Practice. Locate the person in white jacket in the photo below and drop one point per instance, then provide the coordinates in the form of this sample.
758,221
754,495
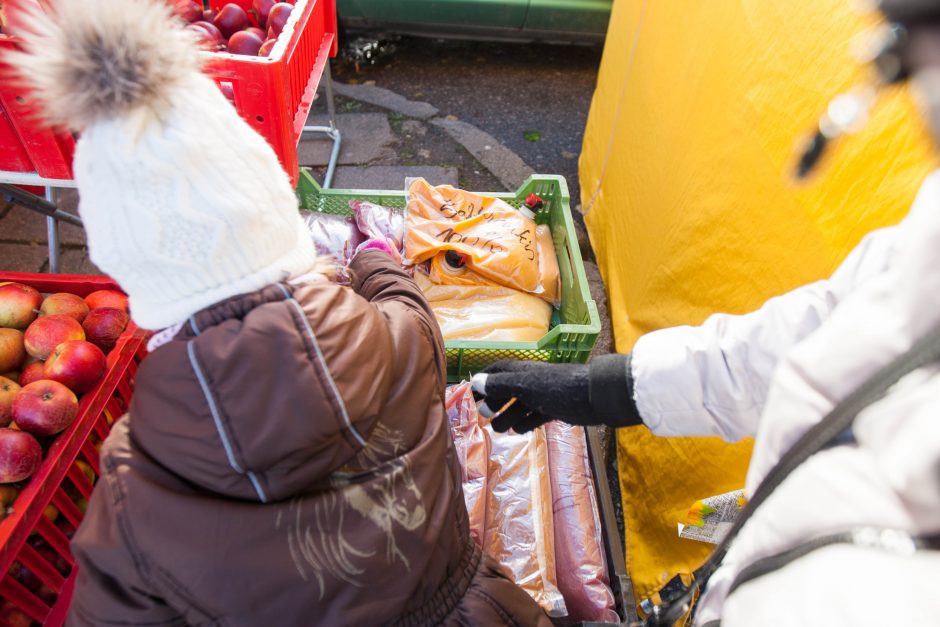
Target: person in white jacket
775,373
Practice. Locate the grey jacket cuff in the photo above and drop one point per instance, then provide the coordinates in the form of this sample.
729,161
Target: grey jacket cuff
611,391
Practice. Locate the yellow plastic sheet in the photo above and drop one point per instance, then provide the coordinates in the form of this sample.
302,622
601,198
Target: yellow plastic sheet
688,196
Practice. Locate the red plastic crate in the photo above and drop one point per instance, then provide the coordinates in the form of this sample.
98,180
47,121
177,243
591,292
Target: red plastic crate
27,145
60,473
273,94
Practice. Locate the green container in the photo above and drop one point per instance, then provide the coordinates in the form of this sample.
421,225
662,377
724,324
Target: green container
575,324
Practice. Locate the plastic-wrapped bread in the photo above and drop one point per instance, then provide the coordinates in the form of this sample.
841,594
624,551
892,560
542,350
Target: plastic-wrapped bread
519,529
472,444
579,554
483,312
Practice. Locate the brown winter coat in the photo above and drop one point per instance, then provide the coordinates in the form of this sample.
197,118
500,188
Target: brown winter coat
287,461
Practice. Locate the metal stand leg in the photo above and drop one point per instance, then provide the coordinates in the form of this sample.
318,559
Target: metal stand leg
52,229
330,130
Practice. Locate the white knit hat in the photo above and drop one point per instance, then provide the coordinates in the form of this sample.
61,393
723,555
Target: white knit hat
183,203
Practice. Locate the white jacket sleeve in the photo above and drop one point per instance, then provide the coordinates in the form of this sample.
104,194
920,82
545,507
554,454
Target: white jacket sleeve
713,379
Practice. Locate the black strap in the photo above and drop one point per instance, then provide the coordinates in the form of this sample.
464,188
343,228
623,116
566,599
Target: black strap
925,351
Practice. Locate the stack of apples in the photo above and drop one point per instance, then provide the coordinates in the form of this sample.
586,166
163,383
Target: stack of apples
52,349
233,29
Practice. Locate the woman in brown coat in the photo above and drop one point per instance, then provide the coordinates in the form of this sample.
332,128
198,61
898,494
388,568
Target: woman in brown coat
286,459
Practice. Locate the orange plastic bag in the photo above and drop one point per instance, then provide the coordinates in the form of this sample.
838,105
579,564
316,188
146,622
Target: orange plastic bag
443,269
495,240
486,312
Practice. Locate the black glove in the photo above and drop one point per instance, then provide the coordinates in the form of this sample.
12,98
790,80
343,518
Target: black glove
582,394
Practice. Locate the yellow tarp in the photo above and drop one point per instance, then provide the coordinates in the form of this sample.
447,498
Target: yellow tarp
691,208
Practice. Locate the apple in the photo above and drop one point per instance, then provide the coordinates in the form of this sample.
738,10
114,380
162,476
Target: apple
8,390
245,42
64,304
114,298
189,10
76,364
260,9
31,372
208,15
8,495
11,616
104,326
228,91
19,305
44,407
47,332
266,47
277,18
214,41
20,455
257,31
231,19
12,349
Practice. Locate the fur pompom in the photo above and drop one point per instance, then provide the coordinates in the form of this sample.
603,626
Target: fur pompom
92,60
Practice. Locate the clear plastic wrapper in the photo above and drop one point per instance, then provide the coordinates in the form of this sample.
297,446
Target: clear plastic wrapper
377,221
579,552
519,530
472,443
485,312
495,240
333,236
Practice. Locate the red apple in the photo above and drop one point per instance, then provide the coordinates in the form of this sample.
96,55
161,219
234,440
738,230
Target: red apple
12,351
217,41
189,10
231,19
260,9
203,38
78,365
19,305
208,15
8,390
277,18
257,31
266,47
31,372
113,298
104,326
11,616
47,332
228,91
64,304
245,42
44,407
20,455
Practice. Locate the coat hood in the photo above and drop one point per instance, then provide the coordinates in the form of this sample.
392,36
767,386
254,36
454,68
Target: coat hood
264,395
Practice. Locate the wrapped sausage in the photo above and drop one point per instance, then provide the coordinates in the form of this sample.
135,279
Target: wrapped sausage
519,529
472,444
579,554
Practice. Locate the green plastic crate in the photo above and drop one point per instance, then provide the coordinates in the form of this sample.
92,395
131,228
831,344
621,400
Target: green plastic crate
575,324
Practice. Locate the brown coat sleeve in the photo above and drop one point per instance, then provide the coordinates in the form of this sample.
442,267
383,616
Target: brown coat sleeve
378,279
